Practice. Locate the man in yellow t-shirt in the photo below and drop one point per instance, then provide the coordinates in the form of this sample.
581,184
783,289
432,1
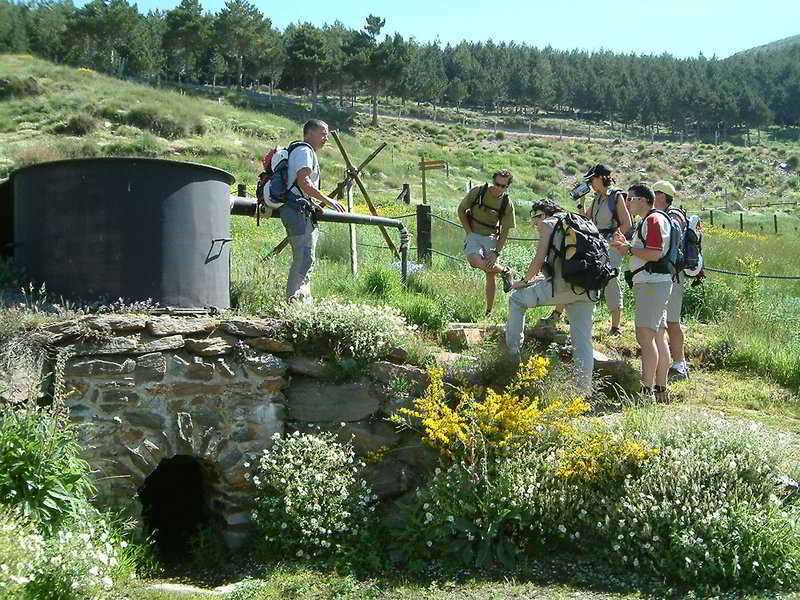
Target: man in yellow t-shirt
487,215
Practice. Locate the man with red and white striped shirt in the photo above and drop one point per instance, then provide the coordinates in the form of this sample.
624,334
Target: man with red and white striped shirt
651,288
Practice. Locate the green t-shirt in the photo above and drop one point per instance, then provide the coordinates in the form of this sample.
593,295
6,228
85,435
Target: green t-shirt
486,215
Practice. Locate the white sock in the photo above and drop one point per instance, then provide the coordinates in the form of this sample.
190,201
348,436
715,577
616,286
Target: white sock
679,365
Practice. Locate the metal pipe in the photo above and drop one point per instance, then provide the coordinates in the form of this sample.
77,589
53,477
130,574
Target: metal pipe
247,207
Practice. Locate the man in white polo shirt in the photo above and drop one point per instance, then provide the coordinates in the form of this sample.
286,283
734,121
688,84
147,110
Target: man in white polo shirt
297,214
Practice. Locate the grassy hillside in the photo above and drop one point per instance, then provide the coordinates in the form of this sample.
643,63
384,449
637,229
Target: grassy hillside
743,338
49,112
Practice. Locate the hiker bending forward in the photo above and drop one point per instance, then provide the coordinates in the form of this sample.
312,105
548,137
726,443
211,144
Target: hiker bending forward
487,215
298,213
537,290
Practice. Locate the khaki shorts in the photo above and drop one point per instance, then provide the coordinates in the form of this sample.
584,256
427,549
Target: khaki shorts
675,303
479,244
651,304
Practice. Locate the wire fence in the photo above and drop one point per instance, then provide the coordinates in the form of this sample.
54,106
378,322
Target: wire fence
516,239
711,269
439,218
757,275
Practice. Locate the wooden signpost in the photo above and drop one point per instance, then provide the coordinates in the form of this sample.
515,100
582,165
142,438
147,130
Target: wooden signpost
429,165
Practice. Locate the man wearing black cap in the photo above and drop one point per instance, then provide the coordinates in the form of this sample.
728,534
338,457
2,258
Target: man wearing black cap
609,212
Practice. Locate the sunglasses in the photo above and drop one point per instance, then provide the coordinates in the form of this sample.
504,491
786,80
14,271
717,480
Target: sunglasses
501,185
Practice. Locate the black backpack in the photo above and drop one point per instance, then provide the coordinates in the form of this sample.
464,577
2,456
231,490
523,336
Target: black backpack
584,255
671,261
499,211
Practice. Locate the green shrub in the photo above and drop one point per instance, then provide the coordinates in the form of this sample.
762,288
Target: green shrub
145,144
711,301
82,559
248,589
155,119
21,548
311,501
41,469
19,87
361,331
458,518
207,549
81,124
382,281
793,161
705,510
425,312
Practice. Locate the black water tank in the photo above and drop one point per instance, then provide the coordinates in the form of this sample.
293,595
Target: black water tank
6,219
133,228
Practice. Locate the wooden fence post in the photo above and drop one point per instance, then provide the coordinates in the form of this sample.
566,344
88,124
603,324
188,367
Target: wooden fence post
241,190
424,244
711,214
741,222
775,218
424,192
353,241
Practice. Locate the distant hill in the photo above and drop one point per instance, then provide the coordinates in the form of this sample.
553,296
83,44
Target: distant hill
772,46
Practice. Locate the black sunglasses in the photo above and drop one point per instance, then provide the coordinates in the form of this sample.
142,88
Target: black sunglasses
501,185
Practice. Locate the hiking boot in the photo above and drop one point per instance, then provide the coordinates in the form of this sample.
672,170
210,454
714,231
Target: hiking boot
506,276
660,394
551,320
614,332
677,374
647,395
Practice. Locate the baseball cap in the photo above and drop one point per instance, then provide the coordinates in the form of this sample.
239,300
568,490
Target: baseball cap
665,187
596,170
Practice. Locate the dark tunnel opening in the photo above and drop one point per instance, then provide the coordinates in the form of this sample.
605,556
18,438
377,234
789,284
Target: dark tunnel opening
175,506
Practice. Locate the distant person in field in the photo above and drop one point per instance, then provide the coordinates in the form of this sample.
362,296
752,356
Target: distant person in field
664,195
487,215
534,289
298,213
609,211
652,285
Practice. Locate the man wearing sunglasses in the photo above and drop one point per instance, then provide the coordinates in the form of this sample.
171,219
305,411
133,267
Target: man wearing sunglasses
487,215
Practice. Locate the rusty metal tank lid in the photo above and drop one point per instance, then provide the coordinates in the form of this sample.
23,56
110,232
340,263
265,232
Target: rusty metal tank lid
129,159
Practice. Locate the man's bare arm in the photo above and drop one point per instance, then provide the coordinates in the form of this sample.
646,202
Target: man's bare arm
539,259
623,216
303,182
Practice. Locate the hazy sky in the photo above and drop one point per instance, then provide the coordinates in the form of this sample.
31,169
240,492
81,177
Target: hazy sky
680,27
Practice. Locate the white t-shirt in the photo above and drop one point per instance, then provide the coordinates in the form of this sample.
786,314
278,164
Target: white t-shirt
655,230
302,157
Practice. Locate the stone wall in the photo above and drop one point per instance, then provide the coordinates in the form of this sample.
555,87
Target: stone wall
145,389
